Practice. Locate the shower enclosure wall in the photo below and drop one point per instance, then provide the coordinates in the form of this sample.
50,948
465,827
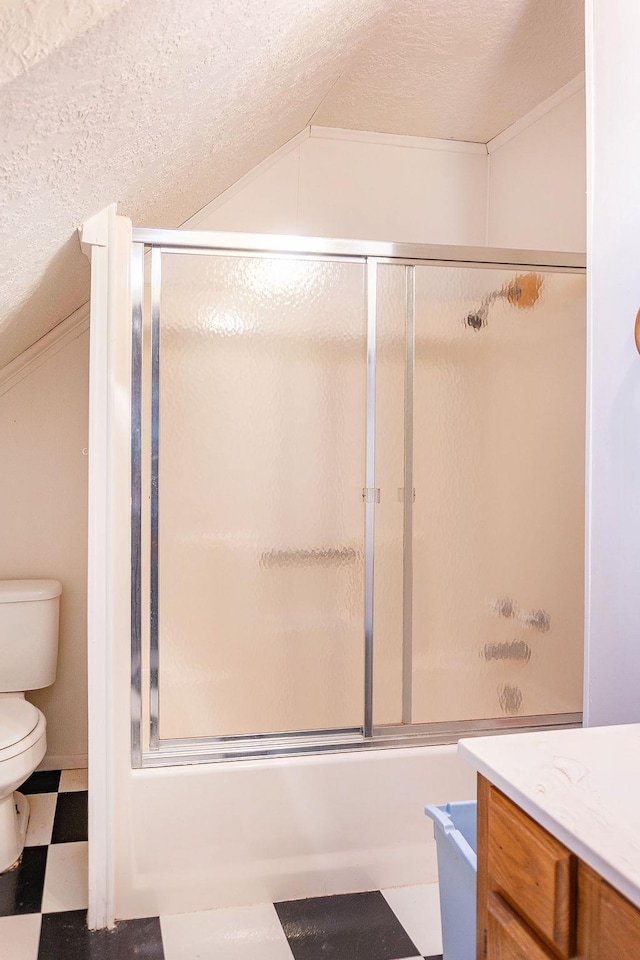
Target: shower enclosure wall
357,488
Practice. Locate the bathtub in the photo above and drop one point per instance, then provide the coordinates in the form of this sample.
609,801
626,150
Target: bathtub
247,832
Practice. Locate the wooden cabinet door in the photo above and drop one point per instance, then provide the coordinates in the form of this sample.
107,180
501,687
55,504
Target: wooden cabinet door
533,894
508,938
608,925
533,871
529,869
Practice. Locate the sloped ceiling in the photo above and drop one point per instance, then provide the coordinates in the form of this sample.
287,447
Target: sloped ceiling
458,69
30,29
160,105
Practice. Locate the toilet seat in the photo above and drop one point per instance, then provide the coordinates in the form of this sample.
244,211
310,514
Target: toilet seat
21,725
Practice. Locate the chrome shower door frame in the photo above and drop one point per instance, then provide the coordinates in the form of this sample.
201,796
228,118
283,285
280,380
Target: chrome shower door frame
148,748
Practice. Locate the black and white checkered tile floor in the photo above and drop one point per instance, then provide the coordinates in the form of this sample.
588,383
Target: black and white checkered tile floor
43,907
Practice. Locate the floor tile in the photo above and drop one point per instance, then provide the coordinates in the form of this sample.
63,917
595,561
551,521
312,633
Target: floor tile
73,780
418,910
70,824
19,937
65,937
135,938
238,933
43,781
353,926
66,878
42,809
21,888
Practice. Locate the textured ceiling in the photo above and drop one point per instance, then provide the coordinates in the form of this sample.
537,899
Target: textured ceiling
458,69
31,29
160,105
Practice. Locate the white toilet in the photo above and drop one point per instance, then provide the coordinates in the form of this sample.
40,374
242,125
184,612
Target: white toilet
28,658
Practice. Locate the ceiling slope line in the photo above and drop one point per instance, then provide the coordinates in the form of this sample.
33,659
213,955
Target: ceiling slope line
43,349
327,94
247,178
397,140
350,61
537,113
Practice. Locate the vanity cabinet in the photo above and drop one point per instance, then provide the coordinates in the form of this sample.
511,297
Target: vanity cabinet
537,900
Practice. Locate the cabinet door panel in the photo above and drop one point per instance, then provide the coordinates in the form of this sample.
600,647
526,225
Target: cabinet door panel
609,926
619,927
508,938
532,871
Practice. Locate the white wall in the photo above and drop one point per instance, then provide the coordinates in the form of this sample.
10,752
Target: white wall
613,535
43,490
537,177
341,183
527,192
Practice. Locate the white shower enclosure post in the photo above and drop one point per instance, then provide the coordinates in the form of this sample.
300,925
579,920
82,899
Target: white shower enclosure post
106,240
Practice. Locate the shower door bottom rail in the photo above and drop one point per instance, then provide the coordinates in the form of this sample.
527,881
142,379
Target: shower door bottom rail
192,750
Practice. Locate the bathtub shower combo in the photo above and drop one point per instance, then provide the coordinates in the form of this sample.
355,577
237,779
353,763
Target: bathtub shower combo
357,488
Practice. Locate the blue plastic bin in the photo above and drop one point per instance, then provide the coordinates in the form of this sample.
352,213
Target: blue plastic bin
455,833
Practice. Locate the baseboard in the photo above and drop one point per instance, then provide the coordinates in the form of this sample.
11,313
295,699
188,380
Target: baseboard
74,761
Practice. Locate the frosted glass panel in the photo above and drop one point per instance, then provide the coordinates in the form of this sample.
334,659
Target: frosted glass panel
499,475
261,534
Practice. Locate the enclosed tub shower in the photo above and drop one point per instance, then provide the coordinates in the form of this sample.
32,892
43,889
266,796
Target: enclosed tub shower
358,474
344,526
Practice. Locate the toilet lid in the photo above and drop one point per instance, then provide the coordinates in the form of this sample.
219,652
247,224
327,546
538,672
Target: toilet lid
18,718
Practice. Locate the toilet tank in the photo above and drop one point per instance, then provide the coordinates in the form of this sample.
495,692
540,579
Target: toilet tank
29,612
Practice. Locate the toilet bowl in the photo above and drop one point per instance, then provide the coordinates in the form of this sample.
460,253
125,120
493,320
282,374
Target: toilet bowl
23,743
29,614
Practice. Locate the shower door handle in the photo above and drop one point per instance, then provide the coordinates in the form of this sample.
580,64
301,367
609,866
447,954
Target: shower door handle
293,557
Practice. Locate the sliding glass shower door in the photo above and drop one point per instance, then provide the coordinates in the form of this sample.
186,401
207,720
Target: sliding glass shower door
479,579
360,497
262,392
498,539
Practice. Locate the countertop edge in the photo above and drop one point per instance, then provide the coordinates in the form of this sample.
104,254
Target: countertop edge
578,846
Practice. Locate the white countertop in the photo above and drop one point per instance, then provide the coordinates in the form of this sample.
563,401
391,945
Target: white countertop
582,785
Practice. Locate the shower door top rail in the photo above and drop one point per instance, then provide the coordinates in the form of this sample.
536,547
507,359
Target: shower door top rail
326,246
